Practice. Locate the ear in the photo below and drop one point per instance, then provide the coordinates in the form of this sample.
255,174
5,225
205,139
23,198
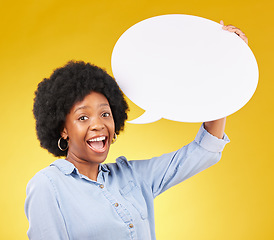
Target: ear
64,133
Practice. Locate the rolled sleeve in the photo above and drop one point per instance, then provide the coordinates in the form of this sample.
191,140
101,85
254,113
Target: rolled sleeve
210,142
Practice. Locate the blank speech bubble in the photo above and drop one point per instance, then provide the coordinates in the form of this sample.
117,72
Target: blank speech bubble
184,68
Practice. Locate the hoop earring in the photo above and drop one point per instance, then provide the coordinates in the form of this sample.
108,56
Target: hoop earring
59,144
114,138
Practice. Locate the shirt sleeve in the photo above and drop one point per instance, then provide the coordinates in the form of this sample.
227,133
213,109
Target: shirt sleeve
161,173
42,210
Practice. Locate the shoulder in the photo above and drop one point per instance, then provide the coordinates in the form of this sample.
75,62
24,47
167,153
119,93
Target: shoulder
47,177
123,169
121,164
41,180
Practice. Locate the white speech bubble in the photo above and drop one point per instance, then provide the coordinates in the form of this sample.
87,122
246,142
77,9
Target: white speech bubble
184,68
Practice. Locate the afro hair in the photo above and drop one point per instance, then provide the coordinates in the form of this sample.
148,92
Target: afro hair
55,96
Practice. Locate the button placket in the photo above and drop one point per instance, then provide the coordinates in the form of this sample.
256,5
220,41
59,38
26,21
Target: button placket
131,225
120,209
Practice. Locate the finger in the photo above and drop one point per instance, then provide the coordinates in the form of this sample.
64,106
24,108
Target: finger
226,27
231,27
239,33
236,30
244,37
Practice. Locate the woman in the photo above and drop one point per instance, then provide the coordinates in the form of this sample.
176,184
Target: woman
79,112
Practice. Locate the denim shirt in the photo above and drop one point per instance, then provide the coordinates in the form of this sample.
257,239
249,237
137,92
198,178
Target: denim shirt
61,203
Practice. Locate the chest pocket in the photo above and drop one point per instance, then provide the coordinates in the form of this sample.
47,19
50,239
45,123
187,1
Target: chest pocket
133,194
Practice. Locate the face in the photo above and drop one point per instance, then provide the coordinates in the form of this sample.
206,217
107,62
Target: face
89,128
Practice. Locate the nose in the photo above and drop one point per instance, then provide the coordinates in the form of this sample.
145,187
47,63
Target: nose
96,124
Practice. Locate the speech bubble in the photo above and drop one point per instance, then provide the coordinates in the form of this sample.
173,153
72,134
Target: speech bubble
184,68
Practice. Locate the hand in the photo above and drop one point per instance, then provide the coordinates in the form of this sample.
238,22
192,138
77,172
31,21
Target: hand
232,28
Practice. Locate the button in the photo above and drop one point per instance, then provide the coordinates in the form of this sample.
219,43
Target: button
101,186
116,204
131,225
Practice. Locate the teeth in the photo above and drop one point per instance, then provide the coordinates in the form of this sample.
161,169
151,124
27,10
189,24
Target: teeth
97,139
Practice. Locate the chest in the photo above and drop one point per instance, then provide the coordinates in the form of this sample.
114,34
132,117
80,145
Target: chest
104,211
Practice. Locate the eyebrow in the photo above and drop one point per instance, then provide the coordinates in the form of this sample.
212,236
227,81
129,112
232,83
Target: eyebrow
84,107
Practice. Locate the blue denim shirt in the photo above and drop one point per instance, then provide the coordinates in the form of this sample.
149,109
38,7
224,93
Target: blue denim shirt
61,203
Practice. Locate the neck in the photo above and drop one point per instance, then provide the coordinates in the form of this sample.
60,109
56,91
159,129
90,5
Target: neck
86,168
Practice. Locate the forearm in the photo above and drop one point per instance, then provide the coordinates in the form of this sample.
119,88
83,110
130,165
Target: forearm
216,127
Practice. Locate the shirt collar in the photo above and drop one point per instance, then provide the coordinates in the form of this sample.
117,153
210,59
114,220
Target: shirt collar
67,167
104,168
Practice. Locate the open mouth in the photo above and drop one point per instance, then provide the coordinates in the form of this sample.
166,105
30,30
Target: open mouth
98,144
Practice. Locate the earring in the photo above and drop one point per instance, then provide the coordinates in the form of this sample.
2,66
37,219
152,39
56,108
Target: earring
114,138
59,144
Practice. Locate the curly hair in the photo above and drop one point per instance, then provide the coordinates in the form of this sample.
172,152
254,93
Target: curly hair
55,96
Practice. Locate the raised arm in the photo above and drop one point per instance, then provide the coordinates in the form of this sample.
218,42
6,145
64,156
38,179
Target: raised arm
217,127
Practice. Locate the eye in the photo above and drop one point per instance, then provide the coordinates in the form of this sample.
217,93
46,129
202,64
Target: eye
83,118
106,114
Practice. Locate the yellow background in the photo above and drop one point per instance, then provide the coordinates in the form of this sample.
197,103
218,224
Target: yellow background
231,200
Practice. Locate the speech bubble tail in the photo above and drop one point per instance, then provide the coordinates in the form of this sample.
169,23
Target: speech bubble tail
147,117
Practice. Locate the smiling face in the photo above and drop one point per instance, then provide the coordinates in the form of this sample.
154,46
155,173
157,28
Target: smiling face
89,128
